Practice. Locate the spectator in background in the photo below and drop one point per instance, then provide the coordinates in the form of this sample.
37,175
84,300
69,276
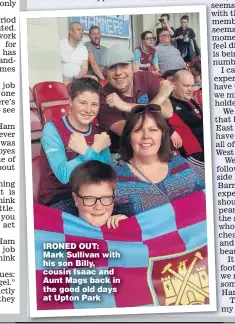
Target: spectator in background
169,57
146,58
185,39
164,21
95,52
73,55
126,89
187,119
69,141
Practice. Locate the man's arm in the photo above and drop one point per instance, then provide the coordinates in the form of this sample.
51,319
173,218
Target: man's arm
95,67
171,32
84,69
117,127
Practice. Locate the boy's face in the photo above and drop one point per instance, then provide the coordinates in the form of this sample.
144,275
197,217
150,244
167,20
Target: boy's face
98,214
85,107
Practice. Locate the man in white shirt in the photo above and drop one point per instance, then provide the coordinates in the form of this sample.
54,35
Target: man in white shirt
73,54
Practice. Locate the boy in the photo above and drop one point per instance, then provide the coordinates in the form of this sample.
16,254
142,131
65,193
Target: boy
69,141
93,184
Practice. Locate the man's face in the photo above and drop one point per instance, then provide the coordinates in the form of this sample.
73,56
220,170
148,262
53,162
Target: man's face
164,38
184,23
183,87
93,211
95,36
76,32
148,40
121,77
85,107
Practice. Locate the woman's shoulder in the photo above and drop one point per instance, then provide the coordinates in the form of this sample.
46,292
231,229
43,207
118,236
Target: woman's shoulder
121,168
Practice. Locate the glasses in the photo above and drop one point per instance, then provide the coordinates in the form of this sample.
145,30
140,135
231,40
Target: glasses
90,201
143,109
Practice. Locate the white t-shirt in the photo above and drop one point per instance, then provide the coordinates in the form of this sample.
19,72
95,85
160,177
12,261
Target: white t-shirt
71,58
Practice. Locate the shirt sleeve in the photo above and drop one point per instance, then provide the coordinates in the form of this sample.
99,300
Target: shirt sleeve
137,56
155,58
88,47
56,155
193,34
85,53
108,116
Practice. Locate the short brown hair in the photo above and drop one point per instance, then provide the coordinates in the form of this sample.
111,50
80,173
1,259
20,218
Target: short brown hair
154,112
90,172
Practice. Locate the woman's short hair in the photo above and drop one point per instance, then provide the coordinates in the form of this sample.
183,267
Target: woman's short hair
151,111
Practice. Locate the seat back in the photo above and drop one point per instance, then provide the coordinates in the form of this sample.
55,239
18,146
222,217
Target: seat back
36,177
197,96
50,93
31,100
54,112
36,126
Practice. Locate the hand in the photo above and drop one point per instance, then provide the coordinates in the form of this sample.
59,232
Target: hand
113,100
114,220
176,140
77,143
186,39
101,142
166,88
180,37
157,73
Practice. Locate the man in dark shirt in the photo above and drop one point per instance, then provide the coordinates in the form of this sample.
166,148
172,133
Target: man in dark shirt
183,37
127,89
187,118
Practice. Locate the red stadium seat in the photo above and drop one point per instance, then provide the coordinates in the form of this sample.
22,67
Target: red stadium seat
197,95
36,177
50,93
51,113
36,126
36,149
31,100
68,88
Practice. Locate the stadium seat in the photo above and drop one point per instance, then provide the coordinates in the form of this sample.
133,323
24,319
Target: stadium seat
197,96
50,113
36,149
68,88
36,177
50,93
31,100
36,126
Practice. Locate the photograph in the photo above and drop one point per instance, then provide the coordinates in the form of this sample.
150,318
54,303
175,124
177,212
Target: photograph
118,153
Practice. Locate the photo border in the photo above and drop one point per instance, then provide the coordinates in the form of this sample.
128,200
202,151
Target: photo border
202,10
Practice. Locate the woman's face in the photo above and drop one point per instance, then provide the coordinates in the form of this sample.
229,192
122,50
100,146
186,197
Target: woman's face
146,140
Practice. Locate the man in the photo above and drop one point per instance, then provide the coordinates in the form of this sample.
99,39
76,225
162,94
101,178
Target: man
187,118
127,89
165,25
169,57
73,55
95,52
146,58
185,39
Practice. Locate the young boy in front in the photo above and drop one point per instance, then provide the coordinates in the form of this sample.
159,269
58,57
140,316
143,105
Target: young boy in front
93,185
69,141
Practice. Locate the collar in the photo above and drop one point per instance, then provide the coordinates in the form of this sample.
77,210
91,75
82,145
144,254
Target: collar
142,47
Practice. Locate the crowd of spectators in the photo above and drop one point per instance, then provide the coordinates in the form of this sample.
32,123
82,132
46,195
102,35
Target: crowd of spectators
150,128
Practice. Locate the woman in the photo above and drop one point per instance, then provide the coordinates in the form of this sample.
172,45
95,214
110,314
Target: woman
148,173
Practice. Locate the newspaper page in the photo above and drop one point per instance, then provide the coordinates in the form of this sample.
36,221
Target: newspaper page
42,32
9,157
